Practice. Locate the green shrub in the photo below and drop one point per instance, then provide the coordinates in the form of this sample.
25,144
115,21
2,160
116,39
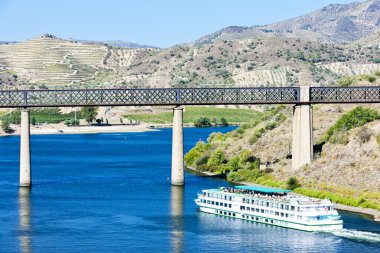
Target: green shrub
347,81
244,175
292,183
202,160
203,122
5,125
218,136
216,159
256,136
240,130
339,137
357,117
195,153
271,125
224,122
371,79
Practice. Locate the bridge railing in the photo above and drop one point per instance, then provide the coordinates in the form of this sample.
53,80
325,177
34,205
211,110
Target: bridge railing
369,94
169,96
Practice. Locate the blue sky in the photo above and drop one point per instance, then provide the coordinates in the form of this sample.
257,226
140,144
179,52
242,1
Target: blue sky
160,23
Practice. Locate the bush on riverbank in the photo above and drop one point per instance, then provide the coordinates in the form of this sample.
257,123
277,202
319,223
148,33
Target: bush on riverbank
202,122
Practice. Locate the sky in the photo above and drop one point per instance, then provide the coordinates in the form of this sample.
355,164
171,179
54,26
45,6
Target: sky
161,23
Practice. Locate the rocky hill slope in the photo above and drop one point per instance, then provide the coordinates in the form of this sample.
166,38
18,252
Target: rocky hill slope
335,23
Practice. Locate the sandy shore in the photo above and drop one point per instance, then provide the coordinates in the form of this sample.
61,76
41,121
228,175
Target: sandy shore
85,129
372,212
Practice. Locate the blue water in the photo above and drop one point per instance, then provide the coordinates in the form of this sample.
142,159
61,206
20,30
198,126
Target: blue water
112,193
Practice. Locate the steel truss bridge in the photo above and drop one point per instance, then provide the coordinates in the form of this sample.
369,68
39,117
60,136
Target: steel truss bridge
185,96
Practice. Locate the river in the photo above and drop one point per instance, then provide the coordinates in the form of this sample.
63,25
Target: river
111,193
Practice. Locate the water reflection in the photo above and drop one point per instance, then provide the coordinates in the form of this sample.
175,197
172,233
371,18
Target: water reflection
24,219
177,223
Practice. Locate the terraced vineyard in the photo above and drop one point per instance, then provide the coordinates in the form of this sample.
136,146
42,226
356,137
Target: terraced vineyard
50,61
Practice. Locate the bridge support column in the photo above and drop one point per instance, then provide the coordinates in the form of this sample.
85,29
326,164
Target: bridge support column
302,147
25,168
178,177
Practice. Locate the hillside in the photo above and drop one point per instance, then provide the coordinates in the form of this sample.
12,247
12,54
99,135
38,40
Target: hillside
345,166
335,23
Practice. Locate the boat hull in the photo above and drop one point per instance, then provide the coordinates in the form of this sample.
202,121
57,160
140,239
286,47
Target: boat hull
309,226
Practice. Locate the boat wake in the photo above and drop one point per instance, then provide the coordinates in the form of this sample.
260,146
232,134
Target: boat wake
358,235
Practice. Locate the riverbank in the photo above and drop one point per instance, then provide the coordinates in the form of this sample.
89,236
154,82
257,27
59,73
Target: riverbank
375,214
83,129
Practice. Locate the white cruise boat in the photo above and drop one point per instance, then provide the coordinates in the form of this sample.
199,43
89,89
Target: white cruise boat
271,206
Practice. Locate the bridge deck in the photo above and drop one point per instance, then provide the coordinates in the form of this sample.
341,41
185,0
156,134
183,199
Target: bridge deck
185,96
138,97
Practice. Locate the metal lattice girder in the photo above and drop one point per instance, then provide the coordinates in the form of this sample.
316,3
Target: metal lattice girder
174,96
12,98
345,94
238,95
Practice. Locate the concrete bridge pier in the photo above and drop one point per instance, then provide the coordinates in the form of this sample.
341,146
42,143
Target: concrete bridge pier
25,168
177,175
302,147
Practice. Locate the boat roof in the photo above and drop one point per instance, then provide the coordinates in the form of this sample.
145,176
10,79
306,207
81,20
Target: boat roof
262,189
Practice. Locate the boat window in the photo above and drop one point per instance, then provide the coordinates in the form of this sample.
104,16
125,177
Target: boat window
230,198
208,201
253,201
298,209
291,216
267,203
292,208
276,213
208,194
225,204
282,214
217,203
299,217
225,197
262,210
242,207
248,209
257,210
234,214
229,214
225,213
286,207
271,213
229,205
266,220
286,215
276,205
271,221
282,206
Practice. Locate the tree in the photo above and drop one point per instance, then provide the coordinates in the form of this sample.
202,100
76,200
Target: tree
5,125
98,121
33,121
224,122
202,122
293,183
89,113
